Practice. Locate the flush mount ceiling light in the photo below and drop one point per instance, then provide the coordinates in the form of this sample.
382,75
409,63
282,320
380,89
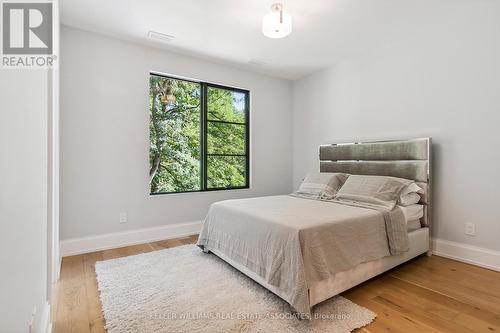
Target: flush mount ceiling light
277,24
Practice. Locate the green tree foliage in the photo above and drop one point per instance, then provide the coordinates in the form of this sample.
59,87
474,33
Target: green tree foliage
226,105
175,136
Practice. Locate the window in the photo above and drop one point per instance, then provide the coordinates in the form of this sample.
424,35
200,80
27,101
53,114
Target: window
199,136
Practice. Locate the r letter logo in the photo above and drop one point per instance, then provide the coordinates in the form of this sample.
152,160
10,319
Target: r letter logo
27,28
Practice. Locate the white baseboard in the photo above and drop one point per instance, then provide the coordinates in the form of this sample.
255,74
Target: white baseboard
131,237
45,324
467,253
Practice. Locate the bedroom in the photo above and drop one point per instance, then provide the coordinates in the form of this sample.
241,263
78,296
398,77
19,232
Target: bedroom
90,174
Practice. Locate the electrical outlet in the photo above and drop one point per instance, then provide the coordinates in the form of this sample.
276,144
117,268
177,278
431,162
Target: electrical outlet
470,229
123,217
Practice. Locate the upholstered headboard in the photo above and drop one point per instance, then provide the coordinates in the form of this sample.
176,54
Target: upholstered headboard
410,159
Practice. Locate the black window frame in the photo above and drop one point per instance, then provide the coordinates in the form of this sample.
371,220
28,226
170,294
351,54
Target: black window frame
204,134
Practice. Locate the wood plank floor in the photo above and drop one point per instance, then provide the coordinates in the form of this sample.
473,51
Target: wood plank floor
427,294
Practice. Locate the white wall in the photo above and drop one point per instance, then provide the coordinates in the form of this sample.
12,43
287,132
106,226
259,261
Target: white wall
23,198
104,135
436,75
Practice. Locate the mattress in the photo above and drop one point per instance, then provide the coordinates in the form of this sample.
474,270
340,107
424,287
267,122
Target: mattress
413,212
413,225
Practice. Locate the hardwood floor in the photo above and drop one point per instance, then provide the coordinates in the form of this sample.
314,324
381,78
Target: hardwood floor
427,294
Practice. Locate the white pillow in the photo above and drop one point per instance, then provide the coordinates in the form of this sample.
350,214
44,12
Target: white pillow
409,199
413,187
321,185
375,190
410,195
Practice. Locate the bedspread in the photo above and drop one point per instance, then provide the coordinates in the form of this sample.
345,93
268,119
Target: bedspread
292,242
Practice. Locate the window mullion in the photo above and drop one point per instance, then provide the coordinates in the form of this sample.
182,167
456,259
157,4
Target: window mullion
225,122
204,131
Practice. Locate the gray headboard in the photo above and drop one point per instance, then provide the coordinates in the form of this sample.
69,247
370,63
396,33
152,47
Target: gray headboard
410,159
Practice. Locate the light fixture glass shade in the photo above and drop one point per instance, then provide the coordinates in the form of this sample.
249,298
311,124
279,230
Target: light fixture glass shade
277,24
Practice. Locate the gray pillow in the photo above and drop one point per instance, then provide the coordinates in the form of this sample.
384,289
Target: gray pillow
321,185
375,190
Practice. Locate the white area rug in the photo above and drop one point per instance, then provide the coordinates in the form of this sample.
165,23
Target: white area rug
184,290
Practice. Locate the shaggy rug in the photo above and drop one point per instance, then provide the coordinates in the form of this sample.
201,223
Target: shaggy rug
183,289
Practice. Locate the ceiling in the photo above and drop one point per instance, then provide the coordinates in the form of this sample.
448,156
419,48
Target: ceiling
229,31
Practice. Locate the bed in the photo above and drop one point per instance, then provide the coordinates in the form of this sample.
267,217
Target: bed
307,251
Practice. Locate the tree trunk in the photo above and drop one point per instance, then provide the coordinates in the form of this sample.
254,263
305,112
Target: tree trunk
154,167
